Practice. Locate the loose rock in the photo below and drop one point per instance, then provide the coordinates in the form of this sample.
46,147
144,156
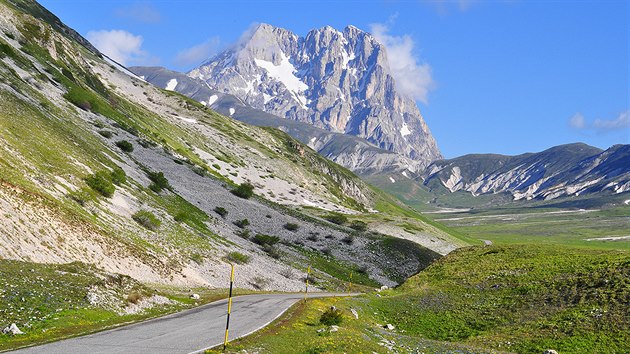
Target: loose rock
355,314
12,330
391,327
550,351
195,296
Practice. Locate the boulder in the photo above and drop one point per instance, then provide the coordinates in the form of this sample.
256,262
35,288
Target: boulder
389,326
195,296
12,330
550,351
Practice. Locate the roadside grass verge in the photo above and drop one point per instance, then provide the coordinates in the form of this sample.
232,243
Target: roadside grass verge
50,302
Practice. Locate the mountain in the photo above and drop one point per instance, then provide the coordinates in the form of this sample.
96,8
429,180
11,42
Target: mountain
352,152
99,167
565,170
337,81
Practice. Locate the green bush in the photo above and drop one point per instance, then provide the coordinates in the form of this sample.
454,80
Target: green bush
336,218
243,233
221,211
102,183
331,317
106,133
272,251
358,225
238,257
244,190
291,226
241,223
263,239
124,145
147,219
118,176
159,181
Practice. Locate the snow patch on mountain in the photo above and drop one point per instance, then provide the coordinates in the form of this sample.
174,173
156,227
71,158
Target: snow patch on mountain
404,131
171,85
212,99
284,73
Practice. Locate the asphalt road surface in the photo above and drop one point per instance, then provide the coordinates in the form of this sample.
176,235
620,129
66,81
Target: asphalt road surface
188,331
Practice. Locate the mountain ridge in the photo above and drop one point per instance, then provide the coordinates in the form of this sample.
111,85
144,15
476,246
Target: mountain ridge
338,81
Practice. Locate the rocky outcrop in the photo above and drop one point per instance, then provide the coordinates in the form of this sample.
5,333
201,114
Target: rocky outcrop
338,81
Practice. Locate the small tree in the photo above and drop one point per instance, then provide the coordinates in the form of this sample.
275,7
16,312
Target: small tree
101,182
244,190
124,145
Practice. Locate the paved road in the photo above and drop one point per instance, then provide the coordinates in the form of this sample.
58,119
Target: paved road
184,332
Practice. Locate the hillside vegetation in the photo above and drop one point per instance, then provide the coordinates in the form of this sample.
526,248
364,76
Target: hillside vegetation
523,299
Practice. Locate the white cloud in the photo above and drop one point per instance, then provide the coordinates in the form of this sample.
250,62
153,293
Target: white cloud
577,121
140,11
412,77
620,123
121,46
198,53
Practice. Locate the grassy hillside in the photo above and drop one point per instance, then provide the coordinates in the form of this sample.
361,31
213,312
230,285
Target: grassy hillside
523,299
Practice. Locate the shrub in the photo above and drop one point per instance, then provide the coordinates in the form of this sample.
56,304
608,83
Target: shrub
101,182
134,297
82,196
241,223
221,211
291,226
159,181
348,240
106,133
147,219
272,251
124,145
336,218
243,233
358,225
118,176
244,190
238,258
263,239
331,317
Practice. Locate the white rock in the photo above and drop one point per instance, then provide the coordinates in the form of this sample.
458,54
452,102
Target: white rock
195,296
384,287
355,313
389,326
12,330
550,351
333,328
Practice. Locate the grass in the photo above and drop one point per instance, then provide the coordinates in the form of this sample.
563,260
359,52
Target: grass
523,299
543,226
238,258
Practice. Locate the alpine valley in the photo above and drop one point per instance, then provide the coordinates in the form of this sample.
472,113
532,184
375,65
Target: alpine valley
127,194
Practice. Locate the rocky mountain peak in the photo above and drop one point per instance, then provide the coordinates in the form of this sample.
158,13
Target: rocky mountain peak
336,80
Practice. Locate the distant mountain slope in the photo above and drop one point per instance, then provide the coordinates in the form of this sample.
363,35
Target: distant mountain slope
350,151
564,170
338,81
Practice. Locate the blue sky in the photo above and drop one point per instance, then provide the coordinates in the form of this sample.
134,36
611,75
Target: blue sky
502,77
